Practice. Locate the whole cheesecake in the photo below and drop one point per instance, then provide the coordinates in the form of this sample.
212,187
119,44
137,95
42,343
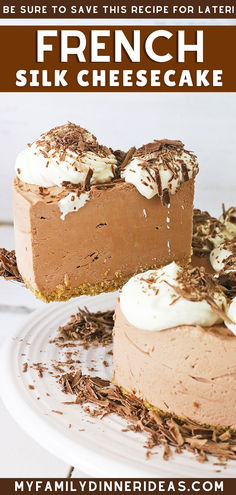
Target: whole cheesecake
87,218
173,346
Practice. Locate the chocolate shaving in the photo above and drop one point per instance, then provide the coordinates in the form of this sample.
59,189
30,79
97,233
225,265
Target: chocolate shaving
88,328
88,179
127,157
8,265
165,197
228,283
120,156
40,368
158,146
185,171
229,215
160,429
158,181
105,185
25,367
71,186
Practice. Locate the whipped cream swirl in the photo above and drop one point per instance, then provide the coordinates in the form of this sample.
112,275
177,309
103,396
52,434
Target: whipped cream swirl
65,153
220,255
159,168
73,202
156,300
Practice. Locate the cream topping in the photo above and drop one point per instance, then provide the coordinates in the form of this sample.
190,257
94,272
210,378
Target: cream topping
219,257
159,168
73,202
158,299
66,153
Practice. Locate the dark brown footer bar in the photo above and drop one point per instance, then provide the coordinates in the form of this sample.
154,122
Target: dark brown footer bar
33,486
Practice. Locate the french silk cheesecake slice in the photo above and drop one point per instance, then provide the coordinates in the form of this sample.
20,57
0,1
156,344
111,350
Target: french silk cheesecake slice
86,218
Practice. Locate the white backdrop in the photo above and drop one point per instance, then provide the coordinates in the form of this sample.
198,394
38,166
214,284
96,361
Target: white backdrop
204,122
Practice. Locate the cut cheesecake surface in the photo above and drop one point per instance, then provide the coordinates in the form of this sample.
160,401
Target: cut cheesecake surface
97,248
87,218
180,358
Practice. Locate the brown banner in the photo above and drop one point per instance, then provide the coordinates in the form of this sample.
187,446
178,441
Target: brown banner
121,59
154,9
130,486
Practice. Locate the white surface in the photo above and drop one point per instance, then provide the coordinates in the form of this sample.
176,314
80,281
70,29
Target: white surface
22,457
102,449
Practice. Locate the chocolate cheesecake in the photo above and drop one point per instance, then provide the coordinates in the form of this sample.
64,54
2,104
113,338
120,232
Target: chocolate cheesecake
175,345
87,218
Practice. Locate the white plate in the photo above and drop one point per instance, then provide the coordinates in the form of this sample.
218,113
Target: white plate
101,449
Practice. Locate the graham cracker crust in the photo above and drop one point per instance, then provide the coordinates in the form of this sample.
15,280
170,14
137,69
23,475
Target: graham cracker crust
63,292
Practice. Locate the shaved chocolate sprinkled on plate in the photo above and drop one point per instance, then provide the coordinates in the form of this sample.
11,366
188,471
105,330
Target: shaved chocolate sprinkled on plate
88,328
161,430
25,367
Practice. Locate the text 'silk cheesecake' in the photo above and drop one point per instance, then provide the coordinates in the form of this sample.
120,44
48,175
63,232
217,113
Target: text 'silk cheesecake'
175,344
87,218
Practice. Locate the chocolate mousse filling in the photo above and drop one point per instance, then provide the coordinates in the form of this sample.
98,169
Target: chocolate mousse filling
96,249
